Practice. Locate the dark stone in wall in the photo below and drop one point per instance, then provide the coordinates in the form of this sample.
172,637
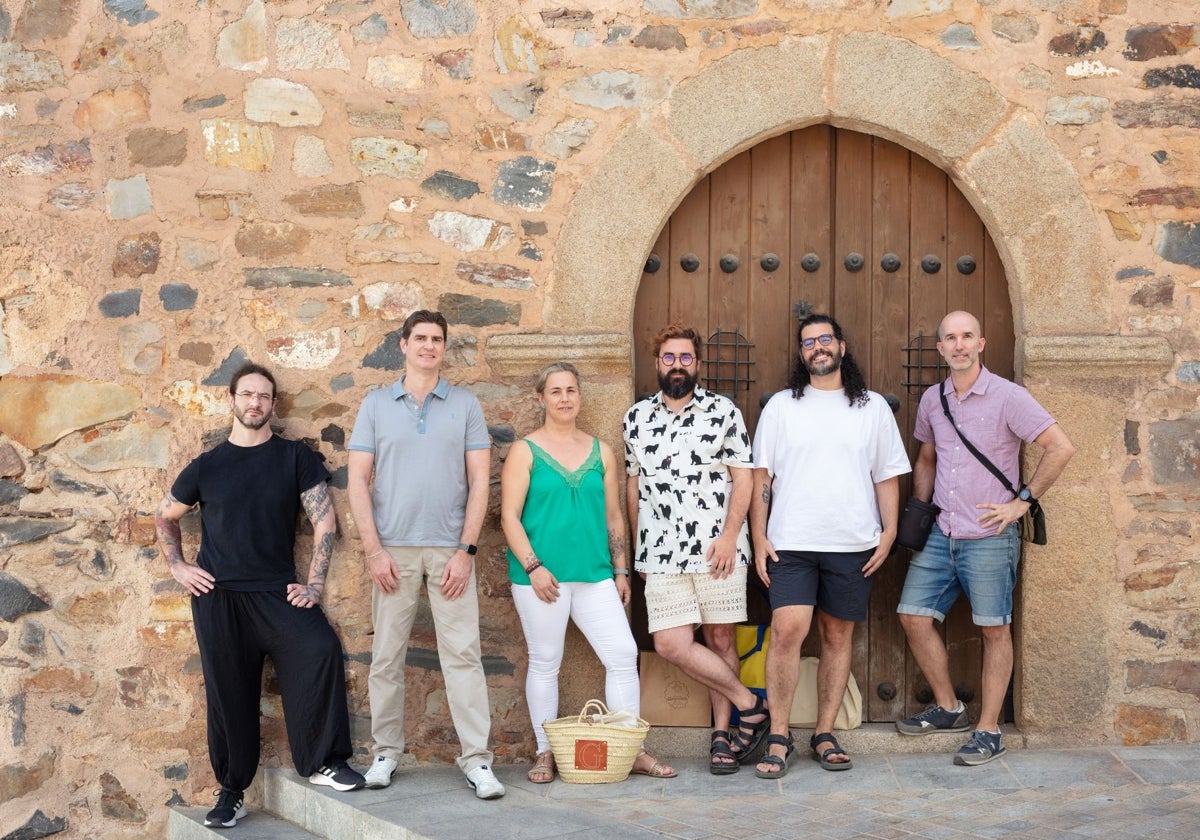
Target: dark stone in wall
1174,451
224,373
1176,675
60,482
176,772
1179,242
1083,41
1189,372
1167,197
137,255
200,352
1160,156
69,708
476,312
1158,292
524,182
15,598
502,435
1134,271
533,228
341,382
1157,113
660,38
33,639
17,706
296,278
566,18
5,24
1143,43
11,492
121,304
177,296
334,434
196,103
340,479
1183,75
132,12
448,185
37,827
530,251
387,355
1132,447
46,19
1156,633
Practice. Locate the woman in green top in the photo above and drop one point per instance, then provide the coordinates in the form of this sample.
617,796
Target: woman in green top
567,559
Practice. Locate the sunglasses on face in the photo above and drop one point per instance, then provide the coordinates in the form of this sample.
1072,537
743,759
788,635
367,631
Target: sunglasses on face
809,343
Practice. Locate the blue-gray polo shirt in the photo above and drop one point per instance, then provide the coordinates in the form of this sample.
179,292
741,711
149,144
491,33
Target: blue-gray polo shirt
420,491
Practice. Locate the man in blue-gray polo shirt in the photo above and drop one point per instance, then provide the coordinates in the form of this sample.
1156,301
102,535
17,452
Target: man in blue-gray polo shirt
427,444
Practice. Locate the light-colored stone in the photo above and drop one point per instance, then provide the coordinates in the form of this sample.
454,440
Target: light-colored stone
237,143
140,346
389,301
700,9
304,44
189,395
1090,69
916,8
242,44
37,410
135,446
1075,110
517,48
128,198
395,72
568,136
267,240
309,158
606,89
22,69
199,254
282,102
306,350
469,233
387,156
113,108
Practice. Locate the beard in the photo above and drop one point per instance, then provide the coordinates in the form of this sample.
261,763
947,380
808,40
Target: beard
677,383
820,364
252,423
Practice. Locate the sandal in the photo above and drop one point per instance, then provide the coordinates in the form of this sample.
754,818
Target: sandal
656,770
835,749
720,750
779,765
748,737
542,772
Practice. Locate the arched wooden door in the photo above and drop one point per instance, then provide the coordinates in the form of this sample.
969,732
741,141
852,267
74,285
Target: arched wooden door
830,220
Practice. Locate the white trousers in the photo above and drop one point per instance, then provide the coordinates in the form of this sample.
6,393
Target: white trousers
597,611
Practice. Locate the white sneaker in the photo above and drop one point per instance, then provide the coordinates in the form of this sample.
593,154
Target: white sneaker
381,772
486,785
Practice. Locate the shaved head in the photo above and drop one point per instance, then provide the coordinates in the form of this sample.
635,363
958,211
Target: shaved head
956,320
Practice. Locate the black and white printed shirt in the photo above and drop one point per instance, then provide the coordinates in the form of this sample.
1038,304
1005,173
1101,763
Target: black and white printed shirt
682,463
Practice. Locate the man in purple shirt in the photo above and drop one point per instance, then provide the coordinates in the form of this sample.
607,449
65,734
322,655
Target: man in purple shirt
974,547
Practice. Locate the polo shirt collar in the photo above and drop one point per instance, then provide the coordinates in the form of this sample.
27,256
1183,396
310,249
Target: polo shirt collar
980,385
441,390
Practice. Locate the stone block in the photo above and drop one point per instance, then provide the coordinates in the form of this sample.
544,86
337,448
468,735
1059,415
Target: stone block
568,136
1179,243
493,138
266,240
176,297
37,826
61,679
1174,450
1183,76
497,275
156,147
388,119
16,599
1137,726
306,350
1165,588
451,186
109,109
22,69
128,198
72,196
38,410
1176,675
959,36
469,233
137,256
116,803
203,103
1143,43
432,19
333,200
136,446
387,156
477,312
282,102
389,301
130,12
606,90
519,101
242,45
387,355
309,158
99,607
305,44
295,278
1158,113
49,160
140,348
11,464
395,72
200,352
517,47
370,31
456,63
660,38
46,20
17,780
1075,110
1083,40
239,144
524,182
702,9
1015,26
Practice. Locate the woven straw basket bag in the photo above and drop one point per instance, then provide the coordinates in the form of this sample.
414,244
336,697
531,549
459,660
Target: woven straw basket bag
597,745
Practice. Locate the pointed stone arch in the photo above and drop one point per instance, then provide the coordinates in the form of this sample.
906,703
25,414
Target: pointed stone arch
1022,187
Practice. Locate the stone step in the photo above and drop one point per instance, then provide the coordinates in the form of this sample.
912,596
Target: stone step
188,824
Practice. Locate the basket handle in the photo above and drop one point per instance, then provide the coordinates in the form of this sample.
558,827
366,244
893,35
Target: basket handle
593,705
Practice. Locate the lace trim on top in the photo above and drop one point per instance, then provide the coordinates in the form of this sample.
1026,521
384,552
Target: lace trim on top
573,478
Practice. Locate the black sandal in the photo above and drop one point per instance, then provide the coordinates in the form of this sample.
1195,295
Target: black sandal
780,764
748,737
719,750
835,749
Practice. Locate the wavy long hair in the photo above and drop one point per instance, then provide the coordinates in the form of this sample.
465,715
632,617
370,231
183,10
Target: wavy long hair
853,381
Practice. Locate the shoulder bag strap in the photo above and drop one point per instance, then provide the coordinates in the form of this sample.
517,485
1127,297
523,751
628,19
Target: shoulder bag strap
1001,477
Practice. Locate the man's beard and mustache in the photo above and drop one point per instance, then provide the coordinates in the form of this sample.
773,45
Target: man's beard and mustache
252,423
824,362
677,383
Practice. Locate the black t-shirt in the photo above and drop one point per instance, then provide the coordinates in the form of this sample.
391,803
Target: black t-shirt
249,499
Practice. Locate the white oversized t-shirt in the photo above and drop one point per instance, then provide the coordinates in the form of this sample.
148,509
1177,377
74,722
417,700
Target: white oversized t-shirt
825,457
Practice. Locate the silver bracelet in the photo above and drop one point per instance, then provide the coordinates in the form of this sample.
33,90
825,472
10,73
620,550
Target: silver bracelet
376,554
617,571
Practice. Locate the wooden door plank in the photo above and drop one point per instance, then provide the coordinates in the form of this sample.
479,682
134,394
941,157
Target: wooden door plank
650,313
997,314
729,236
812,225
888,334
689,236
852,234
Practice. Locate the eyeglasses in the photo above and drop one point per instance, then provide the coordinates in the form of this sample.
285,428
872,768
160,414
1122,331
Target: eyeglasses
684,359
809,343
253,395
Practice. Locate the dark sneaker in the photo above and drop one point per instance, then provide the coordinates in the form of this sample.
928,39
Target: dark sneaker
229,810
982,748
935,719
340,776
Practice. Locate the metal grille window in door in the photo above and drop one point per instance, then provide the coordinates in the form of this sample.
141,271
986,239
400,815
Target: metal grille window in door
923,364
728,359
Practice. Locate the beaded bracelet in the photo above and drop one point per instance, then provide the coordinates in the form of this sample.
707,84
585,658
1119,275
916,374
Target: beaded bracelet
533,567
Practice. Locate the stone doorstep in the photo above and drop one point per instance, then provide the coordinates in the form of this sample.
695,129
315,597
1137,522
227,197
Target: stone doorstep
680,742
188,824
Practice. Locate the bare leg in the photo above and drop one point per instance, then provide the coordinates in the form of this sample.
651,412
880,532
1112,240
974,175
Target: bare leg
677,646
930,652
997,672
721,639
833,672
789,626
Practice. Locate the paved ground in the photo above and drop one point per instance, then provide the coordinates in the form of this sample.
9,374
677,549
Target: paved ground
1082,793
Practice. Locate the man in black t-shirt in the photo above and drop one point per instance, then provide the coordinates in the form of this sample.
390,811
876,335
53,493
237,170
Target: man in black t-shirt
246,603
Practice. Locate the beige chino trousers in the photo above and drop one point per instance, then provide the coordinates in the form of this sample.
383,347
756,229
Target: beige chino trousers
456,624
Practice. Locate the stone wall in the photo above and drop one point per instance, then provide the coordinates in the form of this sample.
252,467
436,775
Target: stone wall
186,187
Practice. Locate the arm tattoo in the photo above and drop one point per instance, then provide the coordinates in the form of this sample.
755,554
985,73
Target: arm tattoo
766,494
319,506
616,544
316,502
169,533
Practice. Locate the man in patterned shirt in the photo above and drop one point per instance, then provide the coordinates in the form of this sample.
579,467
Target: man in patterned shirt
688,460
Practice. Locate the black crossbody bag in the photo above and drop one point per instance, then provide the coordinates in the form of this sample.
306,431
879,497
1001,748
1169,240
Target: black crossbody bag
1033,524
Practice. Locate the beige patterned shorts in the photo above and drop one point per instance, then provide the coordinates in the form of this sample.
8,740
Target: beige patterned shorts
678,599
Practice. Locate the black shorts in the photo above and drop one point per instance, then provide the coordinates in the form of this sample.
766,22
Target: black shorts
832,581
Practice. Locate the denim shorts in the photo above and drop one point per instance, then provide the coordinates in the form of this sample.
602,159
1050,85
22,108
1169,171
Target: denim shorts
985,569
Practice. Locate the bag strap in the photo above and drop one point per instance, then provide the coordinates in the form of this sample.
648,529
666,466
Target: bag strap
1001,477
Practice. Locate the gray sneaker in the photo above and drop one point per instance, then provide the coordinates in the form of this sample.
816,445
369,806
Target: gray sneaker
982,748
935,719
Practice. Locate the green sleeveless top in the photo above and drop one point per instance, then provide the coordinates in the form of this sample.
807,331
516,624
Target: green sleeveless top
564,519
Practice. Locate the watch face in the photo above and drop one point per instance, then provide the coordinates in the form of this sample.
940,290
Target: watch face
1025,495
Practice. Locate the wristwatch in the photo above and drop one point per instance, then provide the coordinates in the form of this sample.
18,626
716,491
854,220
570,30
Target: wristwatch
1025,495
470,549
